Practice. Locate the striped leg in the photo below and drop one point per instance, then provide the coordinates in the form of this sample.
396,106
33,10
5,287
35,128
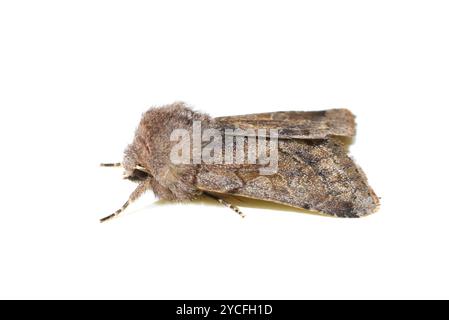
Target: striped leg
141,188
115,213
226,204
118,164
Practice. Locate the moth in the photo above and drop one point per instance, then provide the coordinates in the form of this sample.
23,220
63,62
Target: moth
314,171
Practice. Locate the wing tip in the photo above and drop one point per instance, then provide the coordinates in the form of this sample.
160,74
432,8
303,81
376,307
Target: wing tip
342,122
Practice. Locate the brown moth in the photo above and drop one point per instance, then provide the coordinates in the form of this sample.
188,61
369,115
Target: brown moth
314,171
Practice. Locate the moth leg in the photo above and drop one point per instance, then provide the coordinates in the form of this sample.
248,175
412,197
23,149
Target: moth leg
115,213
225,203
141,188
118,164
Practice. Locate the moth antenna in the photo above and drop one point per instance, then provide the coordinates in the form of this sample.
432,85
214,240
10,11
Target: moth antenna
141,188
118,164
226,204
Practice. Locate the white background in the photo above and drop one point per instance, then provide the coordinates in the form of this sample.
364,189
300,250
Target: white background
75,77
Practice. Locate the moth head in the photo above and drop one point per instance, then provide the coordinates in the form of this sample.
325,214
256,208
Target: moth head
134,170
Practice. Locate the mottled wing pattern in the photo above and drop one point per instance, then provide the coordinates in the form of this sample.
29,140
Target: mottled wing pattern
296,124
315,175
